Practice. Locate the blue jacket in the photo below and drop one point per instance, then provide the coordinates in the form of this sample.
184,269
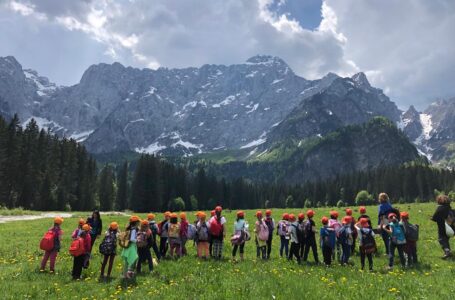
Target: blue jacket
384,210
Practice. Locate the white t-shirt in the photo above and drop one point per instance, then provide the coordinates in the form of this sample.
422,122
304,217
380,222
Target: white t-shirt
222,221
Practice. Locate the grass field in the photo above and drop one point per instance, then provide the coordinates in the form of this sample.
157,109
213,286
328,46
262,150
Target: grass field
189,278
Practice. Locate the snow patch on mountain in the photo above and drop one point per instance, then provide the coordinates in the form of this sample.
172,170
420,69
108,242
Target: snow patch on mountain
81,136
151,149
44,87
261,140
228,100
44,123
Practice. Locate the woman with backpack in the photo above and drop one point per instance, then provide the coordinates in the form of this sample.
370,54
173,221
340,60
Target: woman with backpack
239,238
108,249
218,232
440,215
183,233
310,237
202,234
96,225
367,244
282,231
262,234
383,211
127,241
144,243
80,249
51,243
397,239
175,242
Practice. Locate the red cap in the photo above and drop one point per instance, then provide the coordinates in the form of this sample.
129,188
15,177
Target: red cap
291,217
364,222
218,208
348,212
392,215
325,220
240,214
404,215
346,220
301,216
259,214
285,216
334,214
310,213
212,213
268,212
362,209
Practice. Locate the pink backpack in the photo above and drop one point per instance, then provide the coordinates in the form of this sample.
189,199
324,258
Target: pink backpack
263,234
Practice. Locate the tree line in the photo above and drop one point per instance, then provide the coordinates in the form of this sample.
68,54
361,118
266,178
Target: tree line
43,172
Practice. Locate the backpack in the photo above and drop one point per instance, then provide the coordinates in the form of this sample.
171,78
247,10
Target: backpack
397,231
48,241
326,239
344,236
124,239
300,229
174,230
191,233
203,233
77,247
107,246
141,241
282,229
216,228
368,242
263,233
412,232
307,228
154,228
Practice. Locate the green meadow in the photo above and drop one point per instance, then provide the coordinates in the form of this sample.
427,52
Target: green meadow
190,278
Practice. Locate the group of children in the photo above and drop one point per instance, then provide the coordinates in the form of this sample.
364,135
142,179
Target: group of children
337,240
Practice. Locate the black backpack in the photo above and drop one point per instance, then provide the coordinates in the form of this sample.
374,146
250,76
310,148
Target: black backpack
107,246
412,232
300,230
368,242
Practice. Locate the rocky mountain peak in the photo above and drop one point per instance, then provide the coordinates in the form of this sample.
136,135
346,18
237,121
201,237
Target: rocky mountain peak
266,60
361,80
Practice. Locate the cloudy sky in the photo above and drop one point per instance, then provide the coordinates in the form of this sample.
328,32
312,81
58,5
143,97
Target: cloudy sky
405,47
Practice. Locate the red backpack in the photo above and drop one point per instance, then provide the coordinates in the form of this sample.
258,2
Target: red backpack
77,247
216,228
47,242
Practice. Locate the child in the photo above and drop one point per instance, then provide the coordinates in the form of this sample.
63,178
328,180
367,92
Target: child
367,244
78,230
412,235
174,236
218,232
129,254
270,222
301,233
345,238
78,262
212,215
327,239
397,239
108,248
363,214
335,225
354,232
310,237
261,240
282,231
154,228
292,230
183,232
202,236
163,231
57,240
239,238
144,243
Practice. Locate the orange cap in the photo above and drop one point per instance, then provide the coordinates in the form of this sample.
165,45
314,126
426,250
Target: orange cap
334,214
218,208
203,216
348,212
259,214
58,220
362,209
183,216
404,215
325,220
134,219
174,215
310,213
167,214
198,214
240,214
150,217
86,227
285,216
268,212
301,216
291,217
113,226
144,222
81,221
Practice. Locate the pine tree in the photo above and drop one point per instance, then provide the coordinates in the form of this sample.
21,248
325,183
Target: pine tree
122,191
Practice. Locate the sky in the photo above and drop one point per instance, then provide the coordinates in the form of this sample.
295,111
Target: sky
405,47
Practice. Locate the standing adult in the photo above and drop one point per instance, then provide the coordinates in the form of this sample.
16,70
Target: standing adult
270,222
218,232
385,208
440,216
96,225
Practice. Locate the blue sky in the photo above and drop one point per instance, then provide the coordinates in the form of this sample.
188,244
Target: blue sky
405,47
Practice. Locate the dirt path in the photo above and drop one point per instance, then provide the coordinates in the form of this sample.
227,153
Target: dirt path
4,219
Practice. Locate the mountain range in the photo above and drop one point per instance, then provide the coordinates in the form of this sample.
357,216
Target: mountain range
253,108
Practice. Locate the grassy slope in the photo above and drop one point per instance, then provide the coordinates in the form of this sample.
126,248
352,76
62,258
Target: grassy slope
190,278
